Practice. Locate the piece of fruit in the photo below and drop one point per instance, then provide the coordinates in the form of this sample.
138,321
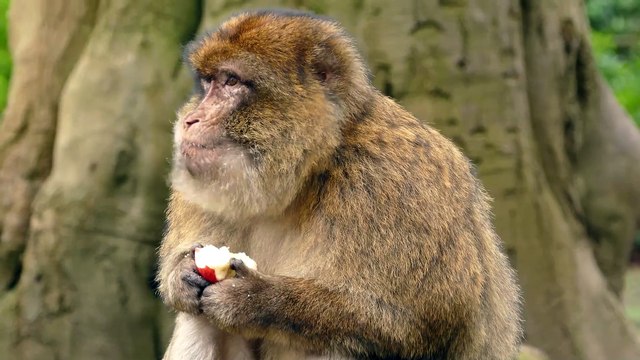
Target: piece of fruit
213,263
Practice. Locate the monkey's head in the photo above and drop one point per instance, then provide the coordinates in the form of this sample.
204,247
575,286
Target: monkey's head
274,92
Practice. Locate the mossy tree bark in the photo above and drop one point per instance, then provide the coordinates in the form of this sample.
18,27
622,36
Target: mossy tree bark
511,82
43,61
104,79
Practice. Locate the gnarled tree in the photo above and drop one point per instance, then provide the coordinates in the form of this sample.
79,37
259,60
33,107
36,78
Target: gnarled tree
512,82
82,215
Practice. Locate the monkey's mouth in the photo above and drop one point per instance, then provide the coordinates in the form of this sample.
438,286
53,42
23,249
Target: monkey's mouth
204,159
189,148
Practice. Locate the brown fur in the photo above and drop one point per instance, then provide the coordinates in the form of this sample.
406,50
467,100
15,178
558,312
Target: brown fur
372,236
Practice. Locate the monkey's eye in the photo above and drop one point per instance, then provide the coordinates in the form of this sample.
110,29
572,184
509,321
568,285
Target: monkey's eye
232,80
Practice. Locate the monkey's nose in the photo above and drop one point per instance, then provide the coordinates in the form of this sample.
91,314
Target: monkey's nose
190,121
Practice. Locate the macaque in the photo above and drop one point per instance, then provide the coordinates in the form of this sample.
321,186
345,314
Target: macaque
372,236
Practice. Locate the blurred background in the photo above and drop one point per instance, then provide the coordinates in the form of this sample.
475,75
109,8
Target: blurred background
543,96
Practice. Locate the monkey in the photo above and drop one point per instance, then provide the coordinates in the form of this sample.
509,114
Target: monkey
372,234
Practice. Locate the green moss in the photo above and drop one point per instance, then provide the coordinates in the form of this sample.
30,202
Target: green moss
358,5
5,58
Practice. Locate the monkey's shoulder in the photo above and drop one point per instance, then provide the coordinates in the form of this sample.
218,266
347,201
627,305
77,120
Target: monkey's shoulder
391,145
391,164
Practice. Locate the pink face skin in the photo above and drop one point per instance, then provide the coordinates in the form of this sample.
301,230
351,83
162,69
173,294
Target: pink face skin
202,143
212,169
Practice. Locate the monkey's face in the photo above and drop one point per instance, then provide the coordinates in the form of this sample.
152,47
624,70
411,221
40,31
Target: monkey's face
263,118
204,147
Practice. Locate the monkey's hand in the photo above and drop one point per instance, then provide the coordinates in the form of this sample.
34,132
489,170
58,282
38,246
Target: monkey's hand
183,286
234,304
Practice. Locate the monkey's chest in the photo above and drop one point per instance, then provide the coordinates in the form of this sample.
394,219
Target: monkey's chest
282,251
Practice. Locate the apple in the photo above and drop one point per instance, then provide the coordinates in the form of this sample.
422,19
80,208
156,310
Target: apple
213,263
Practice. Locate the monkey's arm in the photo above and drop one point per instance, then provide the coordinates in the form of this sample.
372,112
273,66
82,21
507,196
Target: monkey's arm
303,312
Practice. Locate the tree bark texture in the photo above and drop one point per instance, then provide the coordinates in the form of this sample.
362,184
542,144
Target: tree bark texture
84,290
42,63
513,83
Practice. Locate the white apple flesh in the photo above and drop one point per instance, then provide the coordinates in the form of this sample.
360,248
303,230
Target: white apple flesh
214,263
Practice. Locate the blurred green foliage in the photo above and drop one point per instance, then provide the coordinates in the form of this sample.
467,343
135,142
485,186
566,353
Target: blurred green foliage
616,42
5,58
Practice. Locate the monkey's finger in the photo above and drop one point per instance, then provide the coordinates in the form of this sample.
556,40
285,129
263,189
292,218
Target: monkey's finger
194,279
241,269
193,249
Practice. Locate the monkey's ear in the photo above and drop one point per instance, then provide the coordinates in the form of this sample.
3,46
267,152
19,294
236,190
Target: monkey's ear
338,67
327,64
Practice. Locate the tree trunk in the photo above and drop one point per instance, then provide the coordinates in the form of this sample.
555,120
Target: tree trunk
511,82
589,147
42,62
84,291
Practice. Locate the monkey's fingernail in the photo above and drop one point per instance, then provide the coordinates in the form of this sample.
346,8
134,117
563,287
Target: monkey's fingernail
236,264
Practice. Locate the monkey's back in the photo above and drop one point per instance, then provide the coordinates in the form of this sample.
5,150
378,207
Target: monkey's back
410,199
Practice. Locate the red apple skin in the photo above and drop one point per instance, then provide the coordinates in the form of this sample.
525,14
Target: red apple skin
208,274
